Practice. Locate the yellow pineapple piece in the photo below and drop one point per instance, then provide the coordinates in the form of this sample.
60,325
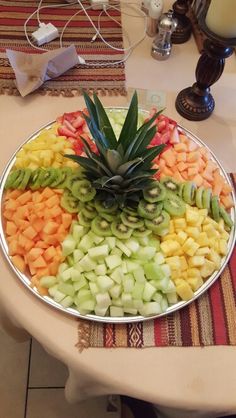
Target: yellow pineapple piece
196,261
169,237
171,227
174,262
202,240
191,216
221,225
207,269
214,257
190,246
181,237
199,222
203,212
180,223
223,247
193,231
214,244
184,290
225,235
169,247
195,283
203,251
183,262
179,252
193,272
210,231
176,274
210,221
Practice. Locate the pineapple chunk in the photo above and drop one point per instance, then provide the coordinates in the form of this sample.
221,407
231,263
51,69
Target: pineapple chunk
171,227
203,251
183,262
195,283
193,272
170,237
169,247
213,256
174,262
193,231
210,231
192,216
203,212
180,223
208,268
184,290
190,247
203,240
221,225
181,237
223,247
196,261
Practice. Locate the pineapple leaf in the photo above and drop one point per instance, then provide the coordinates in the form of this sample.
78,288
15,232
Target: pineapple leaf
99,139
129,128
105,180
127,166
113,159
85,163
151,153
91,108
104,123
97,160
86,147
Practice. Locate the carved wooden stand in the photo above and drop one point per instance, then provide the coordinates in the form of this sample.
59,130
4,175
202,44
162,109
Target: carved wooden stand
183,31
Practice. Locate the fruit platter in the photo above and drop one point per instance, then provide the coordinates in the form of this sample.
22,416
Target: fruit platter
116,215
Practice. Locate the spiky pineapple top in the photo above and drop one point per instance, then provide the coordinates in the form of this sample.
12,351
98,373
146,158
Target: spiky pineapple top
123,167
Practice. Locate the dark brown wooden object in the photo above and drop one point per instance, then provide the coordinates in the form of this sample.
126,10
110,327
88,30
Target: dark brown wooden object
183,31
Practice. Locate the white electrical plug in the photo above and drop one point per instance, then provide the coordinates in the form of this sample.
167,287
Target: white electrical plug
98,4
45,33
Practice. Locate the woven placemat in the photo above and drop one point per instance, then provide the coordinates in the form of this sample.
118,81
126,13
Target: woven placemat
108,79
210,320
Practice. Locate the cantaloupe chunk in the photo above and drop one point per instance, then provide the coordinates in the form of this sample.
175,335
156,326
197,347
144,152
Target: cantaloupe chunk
50,227
170,157
30,232
198,180
11,228
25,197
52,201
11,204
50,253
227,201
19,262
56,211
8,214
66,220
13,194
47,193
53,267
34,253
39,263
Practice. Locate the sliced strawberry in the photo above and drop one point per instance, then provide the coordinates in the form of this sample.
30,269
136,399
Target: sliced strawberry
78,122
69,126
69,117
64,131
165,137
174,136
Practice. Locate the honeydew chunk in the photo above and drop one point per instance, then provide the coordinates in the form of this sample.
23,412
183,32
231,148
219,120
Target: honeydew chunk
113,261
117,275
77,255
103,300
164,304
100,311
115,291
81,283
68,245
184,290
157,297
104,283
67,289
82,296
116,311
148,292
66,274
166,270
170,288
172,298
150,308
62,267
95,238
116,251
154,242
78,231
131,311
137,304
67,302
131,265
139,275
117,302
100,269
111,242
143,240
153,271
87,305
146,253
133,245
196,261
87,264
128,283
123,248
91,276
159,258
124,267
100,251
207,269
75,274
137,292
162,284
58,296
52,290
85,243
48,281
126,299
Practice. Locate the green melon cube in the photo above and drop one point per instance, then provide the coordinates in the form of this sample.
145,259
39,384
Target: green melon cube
68,245
128,283
150,308
153,271
103,300
104,283
133,245
80,284
67,302
78,231
100,251
100,311
87,264
111,242
146,253
116,311
67,289
137,292
139,275
132,265
85,243
100,270
123,248
117,275
77,255
148,292
48,281
115,291
113,261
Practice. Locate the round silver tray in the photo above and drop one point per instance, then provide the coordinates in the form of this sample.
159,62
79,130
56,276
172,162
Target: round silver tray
126,319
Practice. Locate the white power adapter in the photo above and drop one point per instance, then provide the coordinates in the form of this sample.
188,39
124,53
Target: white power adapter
98,4
45,33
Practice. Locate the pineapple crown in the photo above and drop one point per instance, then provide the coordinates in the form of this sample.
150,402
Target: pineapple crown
123,167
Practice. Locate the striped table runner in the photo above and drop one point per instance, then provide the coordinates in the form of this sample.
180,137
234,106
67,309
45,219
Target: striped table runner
108,78
210,320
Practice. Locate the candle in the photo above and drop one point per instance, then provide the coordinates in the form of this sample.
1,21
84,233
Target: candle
221,18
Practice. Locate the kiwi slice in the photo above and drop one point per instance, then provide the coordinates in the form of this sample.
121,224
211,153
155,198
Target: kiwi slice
215,208
154,193
174,205
141,232
83,220
83,190
188,193
11,178
26,179
198,197
206,198
181,188
121,230
160,224
131,221
108,216
69,202
65,172
58,178
36,179
101,227
18,179
149,210
226,217
131,211
89,211
49,177
75,176
170,184
106,206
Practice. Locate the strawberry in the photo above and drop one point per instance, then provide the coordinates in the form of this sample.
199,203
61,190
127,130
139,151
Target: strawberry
64,131
78,122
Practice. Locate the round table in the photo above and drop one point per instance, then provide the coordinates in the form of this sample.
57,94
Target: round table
189,378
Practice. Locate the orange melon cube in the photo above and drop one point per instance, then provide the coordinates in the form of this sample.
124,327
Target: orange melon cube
181,147
37,197
39,262
169,157
41,244
25,197
11,228
207,175
181,156
49,253
192,146
177,176
19,262
182,166
47,193
198,180
43,271
13,247
227,201
183,138
66,220
226,189
52,201
11,204
193,157
38,224
53,267
30,232
8,214
50,227
55,211
34,253
14,194
22,224
192,171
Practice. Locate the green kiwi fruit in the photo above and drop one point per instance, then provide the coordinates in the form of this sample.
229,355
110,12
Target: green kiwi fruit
83,190
69,202
215,208
160,224
89,211
188,192
149,210
101,227
170,184
131,221
83,220
103,206
49,177
121,230
154,193
131,211
198,197
65,172
206,198
11,178
58,178
141,232
26,178
19,178
181,188
74,176
36,179
108,216
227,219
174,205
